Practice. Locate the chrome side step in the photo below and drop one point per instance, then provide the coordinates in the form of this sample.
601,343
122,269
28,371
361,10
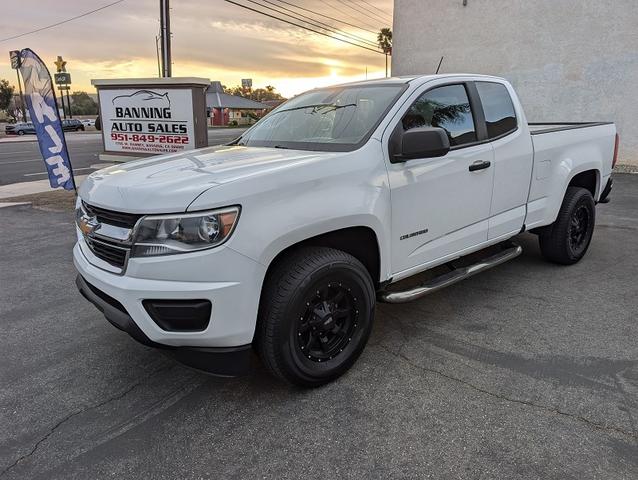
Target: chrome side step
450,278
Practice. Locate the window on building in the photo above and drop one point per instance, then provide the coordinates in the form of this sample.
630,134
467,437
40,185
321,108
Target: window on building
445,107
500,116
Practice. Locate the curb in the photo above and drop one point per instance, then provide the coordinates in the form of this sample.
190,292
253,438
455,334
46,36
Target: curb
18,139
14,204
28,188
625,168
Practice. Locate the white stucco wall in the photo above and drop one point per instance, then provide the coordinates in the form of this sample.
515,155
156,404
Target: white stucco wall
570,60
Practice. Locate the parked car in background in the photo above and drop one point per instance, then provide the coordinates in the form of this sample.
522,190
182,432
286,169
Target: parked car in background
283,240
88,122
72,125
21,128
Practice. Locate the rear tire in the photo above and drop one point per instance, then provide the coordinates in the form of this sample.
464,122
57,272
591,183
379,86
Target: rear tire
567,239
315,317
20,132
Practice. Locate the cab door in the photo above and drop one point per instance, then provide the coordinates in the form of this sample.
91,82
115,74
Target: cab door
513,157
441,206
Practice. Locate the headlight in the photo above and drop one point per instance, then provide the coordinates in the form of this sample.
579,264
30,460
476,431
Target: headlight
169,234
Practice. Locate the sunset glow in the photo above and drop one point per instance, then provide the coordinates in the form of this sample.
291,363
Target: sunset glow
211,39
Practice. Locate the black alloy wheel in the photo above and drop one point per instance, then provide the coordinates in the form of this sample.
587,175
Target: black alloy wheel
579,228
315,317
567,239
328,323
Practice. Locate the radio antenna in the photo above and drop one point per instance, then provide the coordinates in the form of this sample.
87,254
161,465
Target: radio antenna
439,67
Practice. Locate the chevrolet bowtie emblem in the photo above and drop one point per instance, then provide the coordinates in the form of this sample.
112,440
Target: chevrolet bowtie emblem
88,224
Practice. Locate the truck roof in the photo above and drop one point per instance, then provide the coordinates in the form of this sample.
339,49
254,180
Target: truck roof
418,78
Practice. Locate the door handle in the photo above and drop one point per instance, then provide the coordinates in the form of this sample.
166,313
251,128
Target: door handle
480,165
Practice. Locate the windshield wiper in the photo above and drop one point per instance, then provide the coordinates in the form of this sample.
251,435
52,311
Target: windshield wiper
317,107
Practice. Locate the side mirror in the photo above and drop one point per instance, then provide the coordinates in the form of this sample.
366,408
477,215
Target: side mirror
423,142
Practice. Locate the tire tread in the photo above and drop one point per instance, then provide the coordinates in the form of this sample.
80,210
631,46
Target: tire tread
280,285
553,238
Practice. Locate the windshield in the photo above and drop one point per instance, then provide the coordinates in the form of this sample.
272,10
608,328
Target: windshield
331,119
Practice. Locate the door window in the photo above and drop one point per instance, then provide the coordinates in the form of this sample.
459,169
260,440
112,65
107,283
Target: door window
446,107
500,117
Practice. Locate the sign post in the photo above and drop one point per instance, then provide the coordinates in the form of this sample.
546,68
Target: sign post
151,116
246,84
63,80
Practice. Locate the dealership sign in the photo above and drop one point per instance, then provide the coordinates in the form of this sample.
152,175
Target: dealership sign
147,120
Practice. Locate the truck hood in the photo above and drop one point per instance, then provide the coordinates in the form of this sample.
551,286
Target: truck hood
169,183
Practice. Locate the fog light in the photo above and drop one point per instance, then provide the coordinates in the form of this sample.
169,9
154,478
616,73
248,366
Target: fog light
179,315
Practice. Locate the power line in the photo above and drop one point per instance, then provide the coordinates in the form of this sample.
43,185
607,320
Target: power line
311,21
328,17
338,10
60,23
356,8
384,14
302,26
376,8
316,25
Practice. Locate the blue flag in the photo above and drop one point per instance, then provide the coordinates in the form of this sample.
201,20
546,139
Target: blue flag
43,109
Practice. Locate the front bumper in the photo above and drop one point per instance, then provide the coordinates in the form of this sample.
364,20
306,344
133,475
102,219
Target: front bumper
230,281
227,361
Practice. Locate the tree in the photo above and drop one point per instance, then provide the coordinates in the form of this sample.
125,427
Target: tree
384,39
14,110
83,104
6,95
258,95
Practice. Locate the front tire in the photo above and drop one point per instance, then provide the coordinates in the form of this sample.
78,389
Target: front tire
566,240
20,132
316,315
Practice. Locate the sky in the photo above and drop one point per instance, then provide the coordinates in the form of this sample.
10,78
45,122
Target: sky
211,39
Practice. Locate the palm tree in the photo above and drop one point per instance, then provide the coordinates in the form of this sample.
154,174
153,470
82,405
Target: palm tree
384,38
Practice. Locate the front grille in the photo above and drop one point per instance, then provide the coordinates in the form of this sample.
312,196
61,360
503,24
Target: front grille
119,219
108,252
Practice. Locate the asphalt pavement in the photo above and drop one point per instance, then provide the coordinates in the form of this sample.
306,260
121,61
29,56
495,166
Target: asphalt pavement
20,159
529,370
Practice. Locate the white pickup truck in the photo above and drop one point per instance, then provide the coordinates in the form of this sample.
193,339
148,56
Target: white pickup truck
282,241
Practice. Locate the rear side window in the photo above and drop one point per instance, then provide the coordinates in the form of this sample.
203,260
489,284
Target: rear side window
445,107
500,116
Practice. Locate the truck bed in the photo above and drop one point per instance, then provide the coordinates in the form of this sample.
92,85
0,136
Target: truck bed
562,150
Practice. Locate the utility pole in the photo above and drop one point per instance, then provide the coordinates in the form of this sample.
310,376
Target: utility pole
157,49
165,26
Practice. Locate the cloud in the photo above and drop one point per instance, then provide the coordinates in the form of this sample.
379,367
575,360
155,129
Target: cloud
211,38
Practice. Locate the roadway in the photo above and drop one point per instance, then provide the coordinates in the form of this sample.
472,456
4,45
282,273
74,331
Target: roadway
20,159
527,371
